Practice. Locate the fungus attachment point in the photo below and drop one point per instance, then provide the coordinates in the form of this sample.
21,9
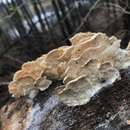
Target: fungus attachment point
92,62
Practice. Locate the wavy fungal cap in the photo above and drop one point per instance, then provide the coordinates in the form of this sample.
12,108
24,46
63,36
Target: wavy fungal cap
92,62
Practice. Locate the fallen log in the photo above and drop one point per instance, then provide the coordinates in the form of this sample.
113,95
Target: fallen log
106,109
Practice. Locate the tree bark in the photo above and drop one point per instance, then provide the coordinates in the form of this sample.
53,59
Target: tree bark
107,110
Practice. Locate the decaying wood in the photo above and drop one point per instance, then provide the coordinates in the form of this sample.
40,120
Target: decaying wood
108,110
62,104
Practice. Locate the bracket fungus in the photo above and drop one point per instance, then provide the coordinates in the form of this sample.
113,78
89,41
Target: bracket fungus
92,62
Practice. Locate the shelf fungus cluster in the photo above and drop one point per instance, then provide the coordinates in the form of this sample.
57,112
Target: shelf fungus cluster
92,62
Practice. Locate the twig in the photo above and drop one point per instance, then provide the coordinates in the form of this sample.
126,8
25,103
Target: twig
84,19
119,7
13,59
4,83
87,16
